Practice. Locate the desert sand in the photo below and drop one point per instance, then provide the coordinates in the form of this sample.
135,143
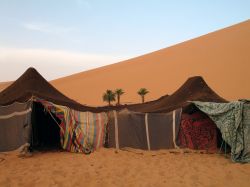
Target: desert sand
105,167
221,57
4,85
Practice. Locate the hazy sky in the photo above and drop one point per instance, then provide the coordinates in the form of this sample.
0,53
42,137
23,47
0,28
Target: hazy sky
62,37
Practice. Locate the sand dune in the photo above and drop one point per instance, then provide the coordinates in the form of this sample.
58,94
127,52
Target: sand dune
107,168
4,85
221,57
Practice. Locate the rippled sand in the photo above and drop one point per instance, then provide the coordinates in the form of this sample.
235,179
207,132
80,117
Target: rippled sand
107,167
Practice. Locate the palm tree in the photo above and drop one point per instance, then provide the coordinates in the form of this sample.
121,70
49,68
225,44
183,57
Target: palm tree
108,96
118,93
142,92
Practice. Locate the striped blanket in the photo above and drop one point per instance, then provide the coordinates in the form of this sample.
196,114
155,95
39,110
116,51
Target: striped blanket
80,131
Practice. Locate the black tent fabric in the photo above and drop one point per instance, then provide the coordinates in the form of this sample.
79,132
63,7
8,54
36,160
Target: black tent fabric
32,84
163,132
15,125
194,89
143,131
131,130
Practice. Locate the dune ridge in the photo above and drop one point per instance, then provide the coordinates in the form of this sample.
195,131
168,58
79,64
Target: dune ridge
221,58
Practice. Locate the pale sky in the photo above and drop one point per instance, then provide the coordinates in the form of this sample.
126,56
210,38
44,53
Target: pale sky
62,37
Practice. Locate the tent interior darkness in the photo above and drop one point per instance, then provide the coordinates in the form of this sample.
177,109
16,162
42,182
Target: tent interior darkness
45,131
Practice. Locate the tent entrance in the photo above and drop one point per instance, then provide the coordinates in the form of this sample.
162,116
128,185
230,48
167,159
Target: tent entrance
198,131
45,131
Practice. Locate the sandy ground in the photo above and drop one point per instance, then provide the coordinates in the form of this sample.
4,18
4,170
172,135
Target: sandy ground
125,168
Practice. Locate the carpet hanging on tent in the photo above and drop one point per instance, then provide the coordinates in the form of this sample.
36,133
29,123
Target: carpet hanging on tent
198,132
79,131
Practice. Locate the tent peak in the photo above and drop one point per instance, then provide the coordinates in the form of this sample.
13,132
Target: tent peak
196,79
32,73
32,83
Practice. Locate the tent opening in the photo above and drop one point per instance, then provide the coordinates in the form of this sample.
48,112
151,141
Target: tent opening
198,131
45,129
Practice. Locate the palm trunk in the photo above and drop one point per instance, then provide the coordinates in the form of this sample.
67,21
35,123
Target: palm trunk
142,97
118,99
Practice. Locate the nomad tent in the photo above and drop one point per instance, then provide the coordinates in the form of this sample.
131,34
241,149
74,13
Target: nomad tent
169,122
208,119
33,111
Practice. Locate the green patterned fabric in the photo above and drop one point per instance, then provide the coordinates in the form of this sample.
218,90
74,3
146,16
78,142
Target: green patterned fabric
233,120
246,123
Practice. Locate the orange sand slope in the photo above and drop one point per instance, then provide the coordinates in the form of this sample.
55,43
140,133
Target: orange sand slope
107,168
4,85
221,57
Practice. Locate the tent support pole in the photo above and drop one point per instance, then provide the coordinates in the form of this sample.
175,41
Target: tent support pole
147,132
116,131
221,146
174,126
55,121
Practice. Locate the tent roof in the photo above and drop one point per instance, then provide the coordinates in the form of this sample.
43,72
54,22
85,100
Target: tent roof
31,83
194,89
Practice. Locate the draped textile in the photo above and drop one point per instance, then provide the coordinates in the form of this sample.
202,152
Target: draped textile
79,131
233,120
